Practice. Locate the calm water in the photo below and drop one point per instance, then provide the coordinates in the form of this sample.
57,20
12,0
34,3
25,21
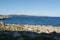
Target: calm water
55,21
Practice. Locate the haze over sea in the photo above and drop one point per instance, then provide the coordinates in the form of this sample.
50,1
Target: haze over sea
33,20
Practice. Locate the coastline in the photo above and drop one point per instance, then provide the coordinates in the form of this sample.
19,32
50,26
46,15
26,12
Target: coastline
4,17
28,32
33,28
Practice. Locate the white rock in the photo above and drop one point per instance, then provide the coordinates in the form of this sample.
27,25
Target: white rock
30,29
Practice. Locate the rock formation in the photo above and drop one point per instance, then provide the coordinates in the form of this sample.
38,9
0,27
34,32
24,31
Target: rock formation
28,32
4,17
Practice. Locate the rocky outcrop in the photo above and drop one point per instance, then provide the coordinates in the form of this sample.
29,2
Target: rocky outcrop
28,32
4,17
33,28
27,35
16,34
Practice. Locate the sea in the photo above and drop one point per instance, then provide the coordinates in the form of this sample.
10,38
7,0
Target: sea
32,20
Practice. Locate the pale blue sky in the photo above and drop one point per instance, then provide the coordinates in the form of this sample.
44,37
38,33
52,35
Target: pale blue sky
30,7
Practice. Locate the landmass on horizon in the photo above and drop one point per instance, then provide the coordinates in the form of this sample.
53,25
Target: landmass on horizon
27,15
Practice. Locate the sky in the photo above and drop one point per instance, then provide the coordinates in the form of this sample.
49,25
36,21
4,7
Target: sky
30,7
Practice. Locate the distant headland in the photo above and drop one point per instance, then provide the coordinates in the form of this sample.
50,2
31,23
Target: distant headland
8,16
4,17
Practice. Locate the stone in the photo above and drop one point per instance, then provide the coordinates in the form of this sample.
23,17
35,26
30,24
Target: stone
20,38
56,38
30,34
1,24
16,34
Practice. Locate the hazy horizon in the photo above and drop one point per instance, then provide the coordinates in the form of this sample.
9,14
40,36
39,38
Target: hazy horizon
30,7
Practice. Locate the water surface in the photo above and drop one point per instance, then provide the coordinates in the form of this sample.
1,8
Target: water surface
55,21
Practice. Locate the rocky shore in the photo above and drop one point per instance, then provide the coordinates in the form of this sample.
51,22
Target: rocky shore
33,28
28,32
4,17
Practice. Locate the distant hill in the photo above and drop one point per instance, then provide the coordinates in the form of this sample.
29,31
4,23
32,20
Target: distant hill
24,15
27,16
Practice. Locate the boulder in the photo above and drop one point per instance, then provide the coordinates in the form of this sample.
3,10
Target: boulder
20,38
16,34
2,24
30,34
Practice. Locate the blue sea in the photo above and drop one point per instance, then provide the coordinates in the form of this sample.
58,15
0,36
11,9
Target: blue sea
54,21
